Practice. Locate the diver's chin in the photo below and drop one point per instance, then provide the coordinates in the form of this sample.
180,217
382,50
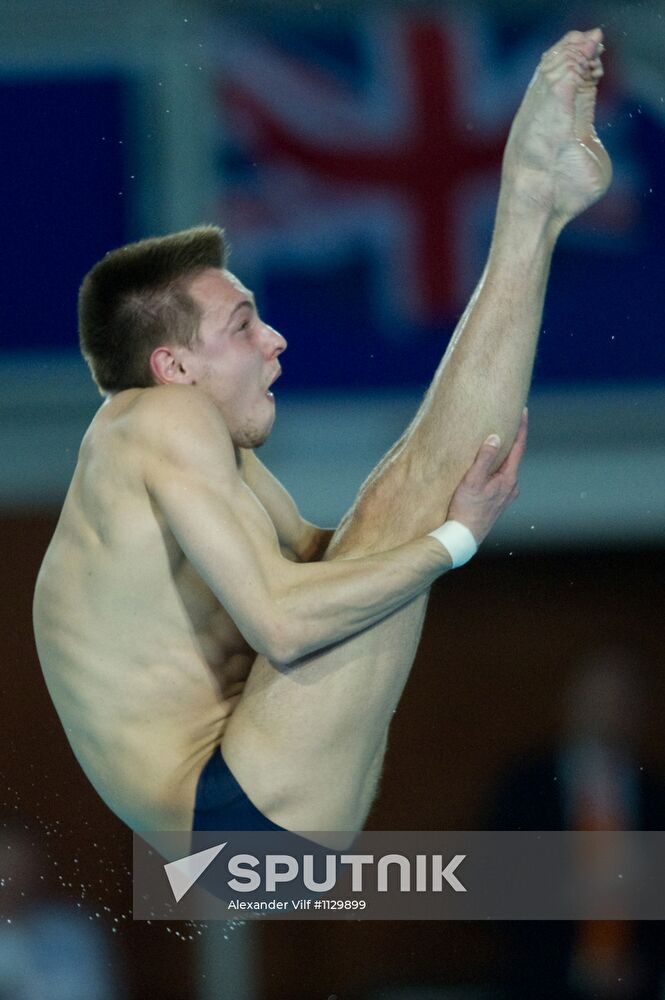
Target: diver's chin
253,436
260,440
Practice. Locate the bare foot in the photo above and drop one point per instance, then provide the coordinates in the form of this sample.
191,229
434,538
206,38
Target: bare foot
554,157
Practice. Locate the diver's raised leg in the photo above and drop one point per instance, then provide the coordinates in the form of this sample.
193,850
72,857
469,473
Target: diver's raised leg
306,742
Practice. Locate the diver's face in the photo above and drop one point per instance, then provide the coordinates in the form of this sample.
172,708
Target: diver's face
235,358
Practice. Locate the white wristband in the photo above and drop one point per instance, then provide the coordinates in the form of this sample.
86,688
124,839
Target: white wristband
459,541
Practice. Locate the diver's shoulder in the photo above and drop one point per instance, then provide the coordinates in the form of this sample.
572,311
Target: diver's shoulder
153,407
168,413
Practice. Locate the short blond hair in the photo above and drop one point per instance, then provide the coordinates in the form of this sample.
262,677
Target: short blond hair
135,298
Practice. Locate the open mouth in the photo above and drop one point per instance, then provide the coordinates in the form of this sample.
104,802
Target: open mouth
269,394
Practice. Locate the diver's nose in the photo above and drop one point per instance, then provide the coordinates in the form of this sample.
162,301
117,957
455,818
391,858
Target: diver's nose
273,343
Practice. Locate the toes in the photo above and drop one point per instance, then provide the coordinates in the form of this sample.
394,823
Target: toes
574,36
588,44
567,64
577,37
576,55
562,59
592,46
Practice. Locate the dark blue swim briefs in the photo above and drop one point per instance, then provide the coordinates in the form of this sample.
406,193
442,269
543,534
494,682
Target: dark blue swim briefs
221,804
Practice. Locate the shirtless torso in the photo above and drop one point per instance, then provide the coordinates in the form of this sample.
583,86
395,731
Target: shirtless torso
143,663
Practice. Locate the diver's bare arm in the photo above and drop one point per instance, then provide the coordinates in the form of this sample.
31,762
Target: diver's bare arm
284,610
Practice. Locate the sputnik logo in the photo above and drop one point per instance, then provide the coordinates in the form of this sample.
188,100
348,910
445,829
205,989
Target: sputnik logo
183,873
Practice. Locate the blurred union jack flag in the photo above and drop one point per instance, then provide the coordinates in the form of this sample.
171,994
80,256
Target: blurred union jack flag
360,160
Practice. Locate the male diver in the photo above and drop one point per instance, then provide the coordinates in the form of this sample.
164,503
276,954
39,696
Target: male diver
217,661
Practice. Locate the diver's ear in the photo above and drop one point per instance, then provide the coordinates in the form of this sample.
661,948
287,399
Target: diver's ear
168,366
